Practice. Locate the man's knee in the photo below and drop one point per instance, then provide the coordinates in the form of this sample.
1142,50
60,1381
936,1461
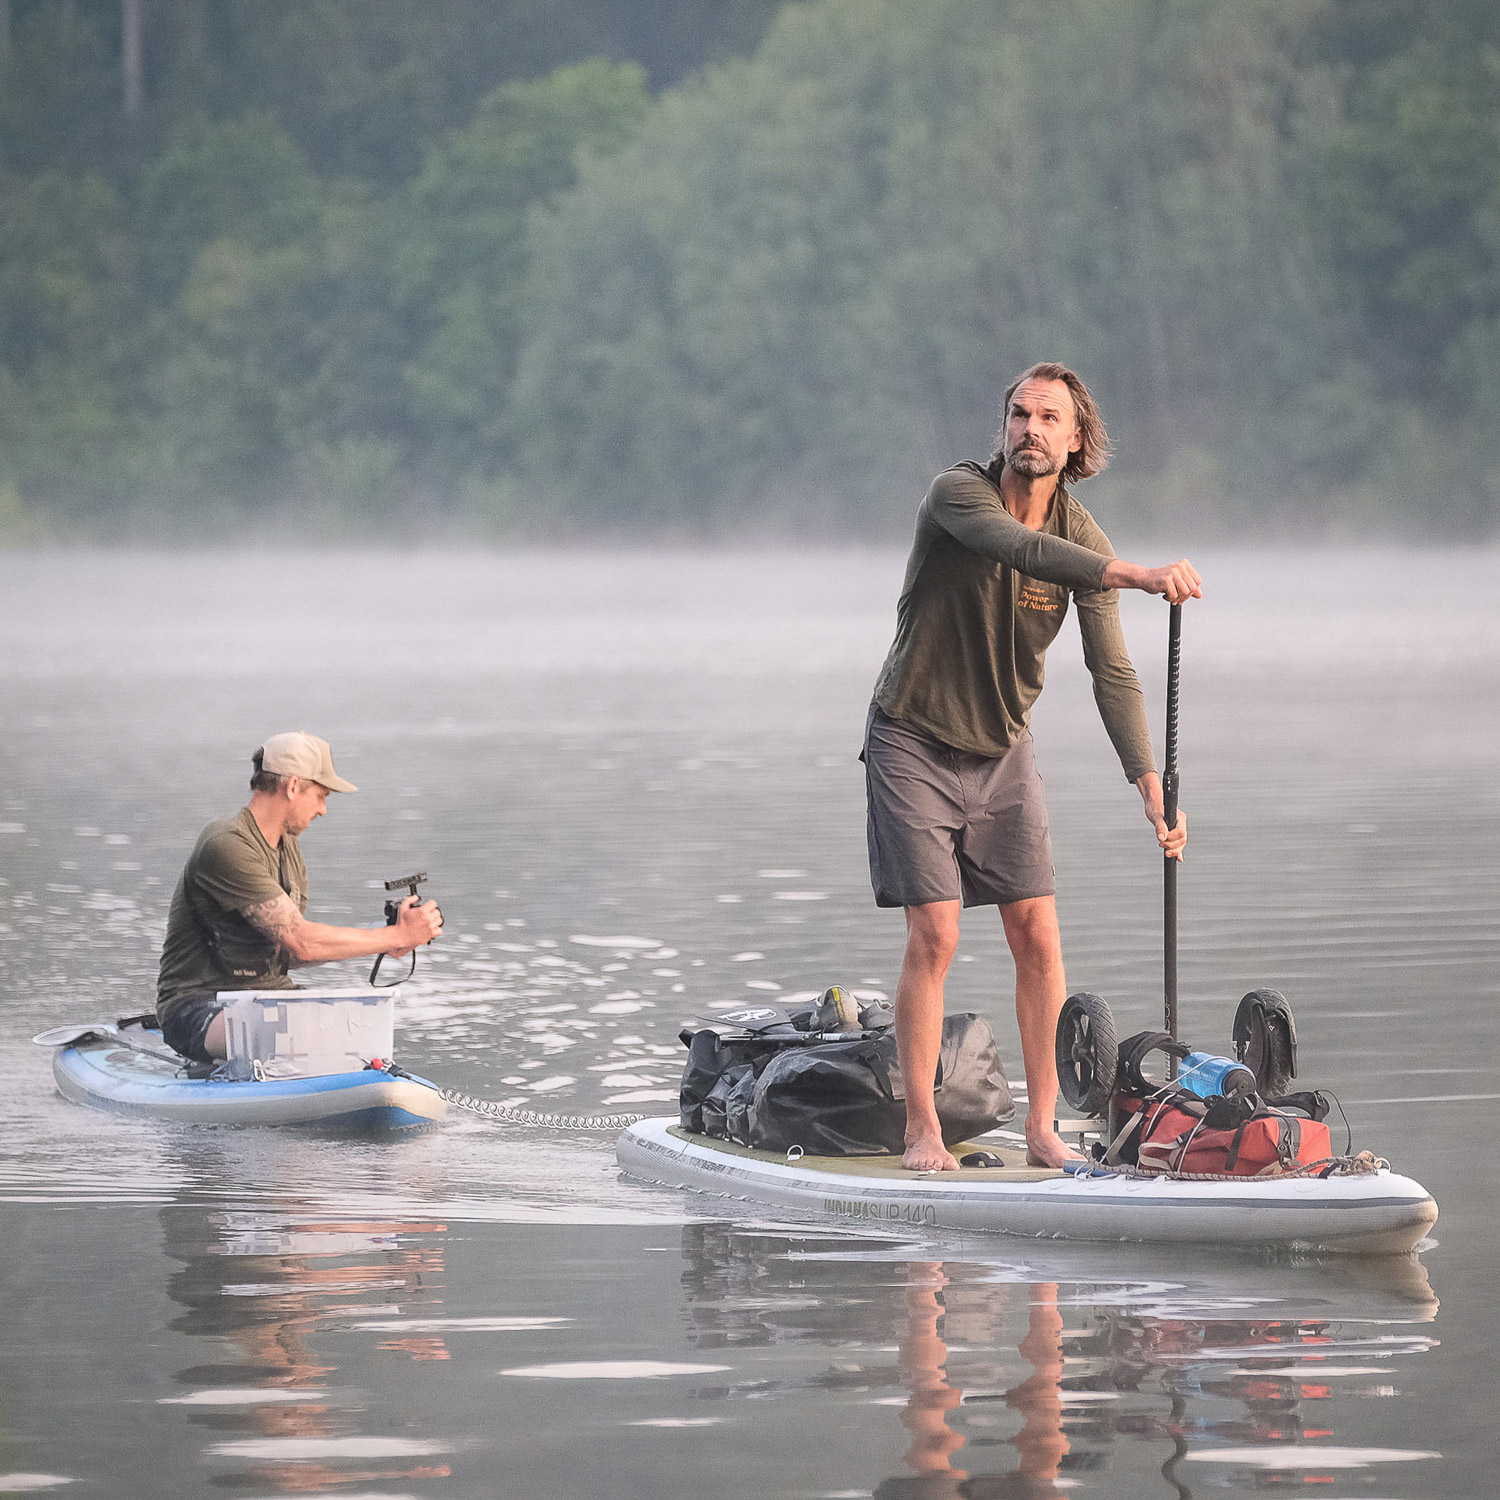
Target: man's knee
196,1027
216,1037
932,935
1031,930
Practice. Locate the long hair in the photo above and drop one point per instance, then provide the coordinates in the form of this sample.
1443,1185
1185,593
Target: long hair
1093,452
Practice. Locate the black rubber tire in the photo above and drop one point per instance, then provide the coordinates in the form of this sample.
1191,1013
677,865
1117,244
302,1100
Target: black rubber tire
1265,1040
1087,1053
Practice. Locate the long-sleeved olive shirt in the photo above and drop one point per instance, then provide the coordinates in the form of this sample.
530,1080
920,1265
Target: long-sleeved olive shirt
984,597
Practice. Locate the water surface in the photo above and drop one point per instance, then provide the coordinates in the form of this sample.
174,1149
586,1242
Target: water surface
633,780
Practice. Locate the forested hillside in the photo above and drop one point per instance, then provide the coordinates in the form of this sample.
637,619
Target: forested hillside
582,266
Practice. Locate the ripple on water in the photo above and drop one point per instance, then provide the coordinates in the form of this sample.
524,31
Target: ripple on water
460,1325
1312,1456
246,1396
585,941
676,1422
613,1369
330,1447
339,1495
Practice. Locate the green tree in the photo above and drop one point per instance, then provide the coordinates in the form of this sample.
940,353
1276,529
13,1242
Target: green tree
813,271
363,86
1402,182
346,245
459,275
230,216
242,178
67,273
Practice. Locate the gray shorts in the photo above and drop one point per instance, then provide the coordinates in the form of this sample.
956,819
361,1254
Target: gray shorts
949,825
188,1022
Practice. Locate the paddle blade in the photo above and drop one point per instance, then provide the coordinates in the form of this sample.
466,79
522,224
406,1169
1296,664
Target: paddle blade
66,1036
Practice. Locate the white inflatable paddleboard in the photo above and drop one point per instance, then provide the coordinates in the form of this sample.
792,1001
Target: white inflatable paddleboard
1374,1213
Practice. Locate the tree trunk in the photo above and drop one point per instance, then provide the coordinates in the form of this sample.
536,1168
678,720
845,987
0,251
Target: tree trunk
132,64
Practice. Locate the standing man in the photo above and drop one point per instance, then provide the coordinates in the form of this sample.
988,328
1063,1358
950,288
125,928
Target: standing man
955,802
237,917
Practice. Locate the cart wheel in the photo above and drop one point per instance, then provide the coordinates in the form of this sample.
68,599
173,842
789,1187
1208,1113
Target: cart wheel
1265,1040
1086,1053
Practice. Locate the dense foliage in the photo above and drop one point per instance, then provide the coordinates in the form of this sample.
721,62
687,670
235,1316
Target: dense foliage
686,264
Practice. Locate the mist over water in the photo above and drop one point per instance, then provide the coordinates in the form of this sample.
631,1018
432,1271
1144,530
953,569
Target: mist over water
632,777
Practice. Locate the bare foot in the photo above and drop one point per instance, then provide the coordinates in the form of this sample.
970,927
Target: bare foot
1045,1148
928,1154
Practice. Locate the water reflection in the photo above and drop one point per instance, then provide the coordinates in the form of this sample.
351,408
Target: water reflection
1012,1382
264,1284
921,1361
378,1351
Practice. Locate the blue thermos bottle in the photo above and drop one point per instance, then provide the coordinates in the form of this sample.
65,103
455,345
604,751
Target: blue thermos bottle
1203,1074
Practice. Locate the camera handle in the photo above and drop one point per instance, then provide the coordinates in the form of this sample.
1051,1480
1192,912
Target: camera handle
393,915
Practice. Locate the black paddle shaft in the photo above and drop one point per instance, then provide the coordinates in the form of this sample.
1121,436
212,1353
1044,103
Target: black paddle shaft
1169,799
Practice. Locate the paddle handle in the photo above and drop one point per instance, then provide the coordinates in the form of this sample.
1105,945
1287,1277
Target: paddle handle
1169,802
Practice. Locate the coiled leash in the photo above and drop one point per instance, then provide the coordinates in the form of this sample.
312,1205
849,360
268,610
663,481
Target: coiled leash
488,1109
491,1109
512,1116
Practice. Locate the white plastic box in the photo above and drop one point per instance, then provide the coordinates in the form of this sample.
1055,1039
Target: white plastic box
306,1033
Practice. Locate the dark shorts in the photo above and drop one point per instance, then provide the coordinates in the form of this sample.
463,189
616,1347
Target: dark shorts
949,825
189,1019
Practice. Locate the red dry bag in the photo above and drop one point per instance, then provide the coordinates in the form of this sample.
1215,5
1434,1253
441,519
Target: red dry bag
1184,1136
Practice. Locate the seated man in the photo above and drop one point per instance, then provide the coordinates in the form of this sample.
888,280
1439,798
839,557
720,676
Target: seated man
237,918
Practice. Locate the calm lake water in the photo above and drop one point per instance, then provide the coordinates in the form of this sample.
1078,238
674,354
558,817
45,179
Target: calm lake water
633,780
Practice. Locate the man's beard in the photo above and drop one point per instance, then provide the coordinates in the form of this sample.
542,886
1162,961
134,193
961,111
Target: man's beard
1033,463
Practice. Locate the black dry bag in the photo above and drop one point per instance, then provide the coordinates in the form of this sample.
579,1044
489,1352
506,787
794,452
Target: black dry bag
847,1099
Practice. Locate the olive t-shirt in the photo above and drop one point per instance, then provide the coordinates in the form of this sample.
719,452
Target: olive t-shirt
210,944
984,597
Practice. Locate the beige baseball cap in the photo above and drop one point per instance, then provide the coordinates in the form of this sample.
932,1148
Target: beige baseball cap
298,753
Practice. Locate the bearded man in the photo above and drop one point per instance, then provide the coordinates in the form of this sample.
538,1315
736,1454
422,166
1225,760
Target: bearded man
956,815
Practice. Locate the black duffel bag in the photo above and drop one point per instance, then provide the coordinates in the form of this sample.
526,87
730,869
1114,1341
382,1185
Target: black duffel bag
714,1064
846,1098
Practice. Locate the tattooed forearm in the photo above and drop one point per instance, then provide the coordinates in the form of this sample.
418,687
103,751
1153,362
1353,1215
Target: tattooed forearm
305,942
278,919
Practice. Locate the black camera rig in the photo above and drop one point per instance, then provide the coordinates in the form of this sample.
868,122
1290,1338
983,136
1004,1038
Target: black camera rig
409,884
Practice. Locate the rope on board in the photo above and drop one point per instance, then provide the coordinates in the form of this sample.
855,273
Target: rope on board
1358,1165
